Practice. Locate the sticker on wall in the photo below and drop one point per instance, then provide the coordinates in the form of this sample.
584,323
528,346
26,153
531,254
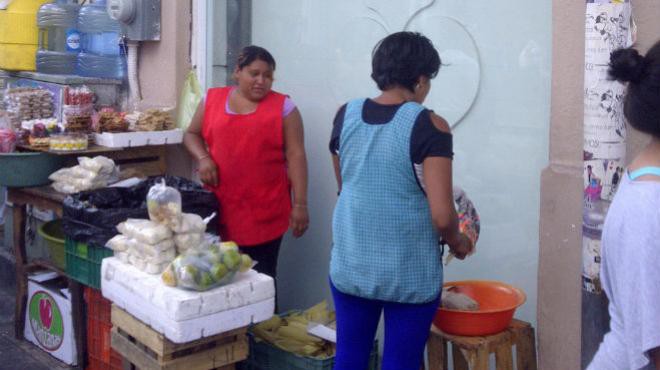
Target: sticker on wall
591,259
603,112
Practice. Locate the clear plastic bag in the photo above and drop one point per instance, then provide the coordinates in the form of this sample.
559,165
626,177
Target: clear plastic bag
144,231
119,243
189,241
164,204
98,164
191,223
206,268
152,251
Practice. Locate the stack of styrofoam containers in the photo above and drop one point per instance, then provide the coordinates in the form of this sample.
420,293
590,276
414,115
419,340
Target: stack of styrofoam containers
182,315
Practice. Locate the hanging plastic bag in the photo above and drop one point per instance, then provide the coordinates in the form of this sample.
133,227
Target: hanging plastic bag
207,268
164,204
468,219
191,95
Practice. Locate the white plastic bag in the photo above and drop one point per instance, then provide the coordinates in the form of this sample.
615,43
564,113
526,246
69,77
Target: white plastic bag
151,250
144,231
98,164
191,223
119,243
189,241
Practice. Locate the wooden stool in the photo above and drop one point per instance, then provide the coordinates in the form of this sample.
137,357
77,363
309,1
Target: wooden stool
147,349
473,353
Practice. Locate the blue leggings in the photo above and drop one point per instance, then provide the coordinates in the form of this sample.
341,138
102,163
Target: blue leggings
406,331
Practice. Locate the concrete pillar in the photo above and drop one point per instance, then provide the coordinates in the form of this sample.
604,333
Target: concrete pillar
560,250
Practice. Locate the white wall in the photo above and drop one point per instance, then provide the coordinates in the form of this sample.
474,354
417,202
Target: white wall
499,49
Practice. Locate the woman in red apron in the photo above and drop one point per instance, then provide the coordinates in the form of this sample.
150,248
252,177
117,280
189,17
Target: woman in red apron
248,140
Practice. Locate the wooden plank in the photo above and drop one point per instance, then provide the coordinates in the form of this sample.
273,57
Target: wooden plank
211,358
482,359
459,360
131,352
504,357
437,350
526,349
142,333
157,342
21,260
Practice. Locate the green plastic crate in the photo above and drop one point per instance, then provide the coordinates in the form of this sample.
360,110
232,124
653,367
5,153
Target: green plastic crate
83,262
264,356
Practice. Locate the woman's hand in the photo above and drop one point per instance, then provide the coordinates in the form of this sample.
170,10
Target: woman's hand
208,172
462,246
298,220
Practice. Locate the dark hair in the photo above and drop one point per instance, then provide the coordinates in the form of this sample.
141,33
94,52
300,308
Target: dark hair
642,102
251,53
401,58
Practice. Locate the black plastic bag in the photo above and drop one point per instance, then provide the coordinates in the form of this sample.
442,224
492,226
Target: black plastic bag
92,216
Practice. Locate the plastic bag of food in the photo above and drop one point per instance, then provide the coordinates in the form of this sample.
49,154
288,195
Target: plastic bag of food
144,231
191,223
119,243
155,269
82,173
206,268
122,256
151,250
60,175
98,164
187,241
468,219
164,204
453,299
163,257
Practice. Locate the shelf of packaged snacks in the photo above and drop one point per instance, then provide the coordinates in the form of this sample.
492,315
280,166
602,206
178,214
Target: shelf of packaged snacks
92,149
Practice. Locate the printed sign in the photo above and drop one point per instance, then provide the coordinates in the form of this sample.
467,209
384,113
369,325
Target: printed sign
46,321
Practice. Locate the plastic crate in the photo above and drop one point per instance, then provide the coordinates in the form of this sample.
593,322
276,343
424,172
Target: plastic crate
100,355
264,356
83,262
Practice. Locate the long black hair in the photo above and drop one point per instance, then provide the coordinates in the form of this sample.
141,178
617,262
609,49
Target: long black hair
642,73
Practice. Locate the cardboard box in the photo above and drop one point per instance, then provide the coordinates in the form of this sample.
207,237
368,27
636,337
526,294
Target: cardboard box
140,138
48,318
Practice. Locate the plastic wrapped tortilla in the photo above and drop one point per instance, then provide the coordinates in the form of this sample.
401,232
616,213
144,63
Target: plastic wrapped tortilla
187,241
191,223
144,231
119,243
204,269
98,164
454,300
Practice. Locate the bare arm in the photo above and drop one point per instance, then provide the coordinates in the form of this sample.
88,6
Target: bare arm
439,192
294,147
196,146
335,164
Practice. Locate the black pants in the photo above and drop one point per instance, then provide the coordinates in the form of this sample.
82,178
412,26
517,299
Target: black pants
266,256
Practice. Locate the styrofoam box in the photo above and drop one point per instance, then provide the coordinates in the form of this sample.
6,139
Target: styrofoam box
182,315
139,138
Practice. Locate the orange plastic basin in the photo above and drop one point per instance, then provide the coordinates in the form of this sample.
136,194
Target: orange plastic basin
497,303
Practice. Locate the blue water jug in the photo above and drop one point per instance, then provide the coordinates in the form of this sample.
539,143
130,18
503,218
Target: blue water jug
101,54
59,39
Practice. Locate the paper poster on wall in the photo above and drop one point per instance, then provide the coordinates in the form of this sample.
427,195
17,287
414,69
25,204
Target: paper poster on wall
591,260
607,28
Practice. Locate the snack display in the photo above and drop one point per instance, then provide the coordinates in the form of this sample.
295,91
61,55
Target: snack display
68,142
23,103
78,109
154,120
205,268
109,121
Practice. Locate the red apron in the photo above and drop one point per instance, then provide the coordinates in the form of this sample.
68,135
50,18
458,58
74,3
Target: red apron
253,186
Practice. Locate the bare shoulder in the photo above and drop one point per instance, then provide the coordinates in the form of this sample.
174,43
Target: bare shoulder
440,123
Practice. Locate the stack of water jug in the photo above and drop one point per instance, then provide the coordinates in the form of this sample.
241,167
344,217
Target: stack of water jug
79,40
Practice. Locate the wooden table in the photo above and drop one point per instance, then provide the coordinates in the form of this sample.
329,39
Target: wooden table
48,199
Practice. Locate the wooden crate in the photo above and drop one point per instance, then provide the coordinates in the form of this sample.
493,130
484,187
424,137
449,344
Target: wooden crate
147,349
474,352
